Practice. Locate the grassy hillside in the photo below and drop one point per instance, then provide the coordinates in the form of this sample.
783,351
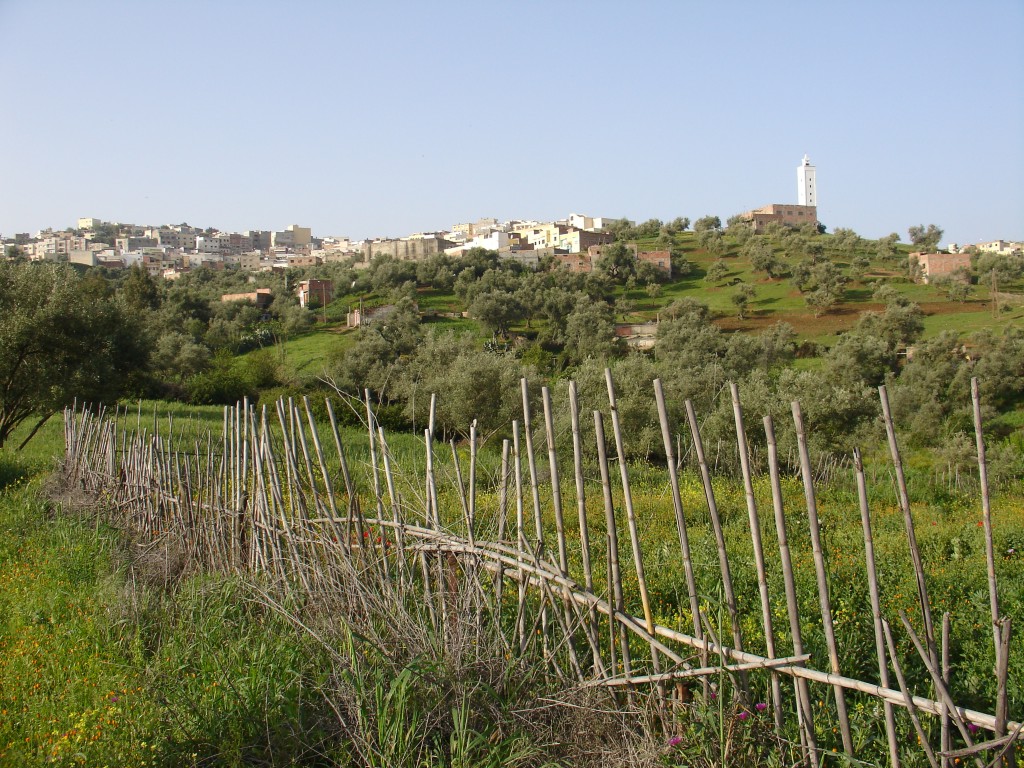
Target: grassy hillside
776,300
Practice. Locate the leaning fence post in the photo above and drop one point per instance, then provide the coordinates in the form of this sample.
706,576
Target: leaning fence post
755,540
805,713
716,524
614,574
581,509
681,531
876,609
908,521
634,533
986,518
820,572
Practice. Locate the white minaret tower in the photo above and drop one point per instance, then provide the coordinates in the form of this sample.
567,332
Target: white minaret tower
806,191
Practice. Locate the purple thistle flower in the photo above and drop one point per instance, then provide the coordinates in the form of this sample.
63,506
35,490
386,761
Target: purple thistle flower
675,741
973,728
743,715
760,706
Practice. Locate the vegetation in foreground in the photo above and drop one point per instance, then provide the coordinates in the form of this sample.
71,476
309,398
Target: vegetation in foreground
118,655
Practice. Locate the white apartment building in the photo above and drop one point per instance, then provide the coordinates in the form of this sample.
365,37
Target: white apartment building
1001,247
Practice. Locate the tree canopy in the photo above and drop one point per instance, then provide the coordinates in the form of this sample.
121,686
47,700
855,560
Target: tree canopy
60,340
925,237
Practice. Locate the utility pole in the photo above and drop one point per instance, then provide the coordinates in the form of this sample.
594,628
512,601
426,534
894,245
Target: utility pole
995,294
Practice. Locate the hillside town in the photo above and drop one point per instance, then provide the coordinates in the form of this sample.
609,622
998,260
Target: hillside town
575,242
170,250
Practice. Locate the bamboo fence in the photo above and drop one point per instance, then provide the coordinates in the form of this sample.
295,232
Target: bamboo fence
269,496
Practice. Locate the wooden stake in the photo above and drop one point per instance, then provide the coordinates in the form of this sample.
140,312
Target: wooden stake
821,573
876,607
581,509
805,713
681,530
716,525
755,539
908,522
922,737
614,576
634,533
986,518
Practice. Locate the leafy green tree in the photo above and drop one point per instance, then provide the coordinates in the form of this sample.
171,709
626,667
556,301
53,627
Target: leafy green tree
648,229
686,338
618,261
745,293
713,242
496,310
861,357
925,238
958,290
820,301
859,265
844,242
222,384
57,343
739,229
762,258
624,306
1004,269
558,304
139,290
647,273
800,275
707,224
778,346
709,234
828,283
530,295
621,229
717,272
677,225
470,384
901,323
590,331
886,248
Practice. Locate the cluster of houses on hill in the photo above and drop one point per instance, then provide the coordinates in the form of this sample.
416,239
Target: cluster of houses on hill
170,250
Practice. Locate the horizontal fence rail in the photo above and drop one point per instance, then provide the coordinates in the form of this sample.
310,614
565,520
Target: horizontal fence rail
271,496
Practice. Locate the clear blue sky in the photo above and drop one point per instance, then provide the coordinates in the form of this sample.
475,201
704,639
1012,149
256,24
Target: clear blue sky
384,118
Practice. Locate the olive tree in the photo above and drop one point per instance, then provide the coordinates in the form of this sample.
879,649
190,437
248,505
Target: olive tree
925,237
60,341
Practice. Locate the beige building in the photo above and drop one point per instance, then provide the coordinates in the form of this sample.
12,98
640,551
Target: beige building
318,291
303,260
541,235
125,244
293,236
662,260
56,247
579,240
787,215
1001,247
592,223
261,297
576,262
935,265
406,249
